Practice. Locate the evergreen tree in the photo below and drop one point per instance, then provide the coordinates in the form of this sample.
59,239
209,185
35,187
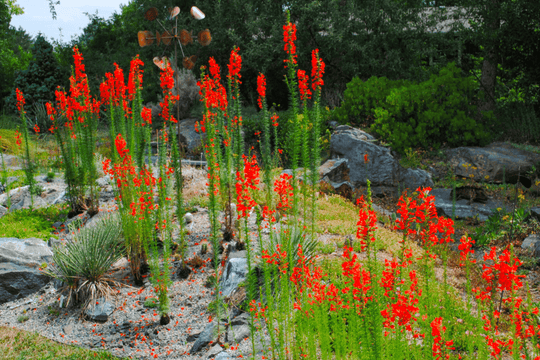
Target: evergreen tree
39,81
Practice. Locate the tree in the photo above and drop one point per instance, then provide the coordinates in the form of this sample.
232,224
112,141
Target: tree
14,54
39,81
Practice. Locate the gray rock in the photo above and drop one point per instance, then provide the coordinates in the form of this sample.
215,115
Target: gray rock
463,208
493,161
103,181
25,202
15,195
336,170
60,198
20,260
204,338
3,211
382,168
235,273
532,242
188,137
101,311
223,356
12,161
534,212
214,350
239,329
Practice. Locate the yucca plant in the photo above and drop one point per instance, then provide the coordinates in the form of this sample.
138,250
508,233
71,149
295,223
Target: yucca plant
82,263
288,240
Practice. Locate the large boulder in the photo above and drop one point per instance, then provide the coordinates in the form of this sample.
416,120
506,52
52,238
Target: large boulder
382,168
20,260
494,163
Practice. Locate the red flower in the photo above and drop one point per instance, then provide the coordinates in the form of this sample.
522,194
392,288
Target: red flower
317,70
274,120
166,77
366,159
261,89
18,136
249,179
135,76
289,37
215,70
120,145
465,249
36,128
303,86
283,188
436,331
79,67
235,64
146,115
105,92
20,99
367,224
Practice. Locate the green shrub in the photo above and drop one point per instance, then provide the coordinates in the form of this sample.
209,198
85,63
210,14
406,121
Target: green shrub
361,97
22,318
151,303
431,113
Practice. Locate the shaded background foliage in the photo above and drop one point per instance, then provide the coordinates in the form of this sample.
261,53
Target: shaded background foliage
392,38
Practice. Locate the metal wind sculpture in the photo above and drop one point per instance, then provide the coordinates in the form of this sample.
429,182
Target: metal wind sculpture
183,37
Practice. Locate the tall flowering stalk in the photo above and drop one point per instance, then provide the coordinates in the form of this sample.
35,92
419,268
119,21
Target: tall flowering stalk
266,146
144,222
289,37
246,182
317,71
211,97
79,114
29,166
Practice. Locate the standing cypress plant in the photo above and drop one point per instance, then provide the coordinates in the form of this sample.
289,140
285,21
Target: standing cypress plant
78,148
28,166
317,71
210,98
265,149
289,37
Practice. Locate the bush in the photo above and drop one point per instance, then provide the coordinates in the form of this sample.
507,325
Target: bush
362,97
430,114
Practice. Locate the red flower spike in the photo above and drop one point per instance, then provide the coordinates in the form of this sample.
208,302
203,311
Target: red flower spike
289,37
235,64
303,86
317,70
261,89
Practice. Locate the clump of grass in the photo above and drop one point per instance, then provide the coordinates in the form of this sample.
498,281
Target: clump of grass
22,318
26,223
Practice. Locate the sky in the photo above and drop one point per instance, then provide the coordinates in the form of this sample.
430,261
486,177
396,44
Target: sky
69,16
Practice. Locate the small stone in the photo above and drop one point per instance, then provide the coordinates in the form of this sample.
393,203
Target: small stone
188,218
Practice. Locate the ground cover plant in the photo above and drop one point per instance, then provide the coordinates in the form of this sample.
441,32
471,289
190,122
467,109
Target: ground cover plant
353,308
